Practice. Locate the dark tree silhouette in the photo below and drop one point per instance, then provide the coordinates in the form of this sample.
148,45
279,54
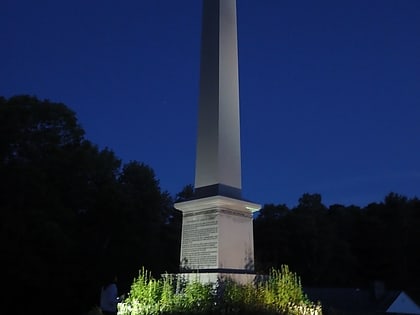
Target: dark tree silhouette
342,246
69,212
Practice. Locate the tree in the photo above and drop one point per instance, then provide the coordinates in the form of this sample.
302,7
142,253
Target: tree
36,141
185,194
143,215
68,211
311,202
305,238
271,237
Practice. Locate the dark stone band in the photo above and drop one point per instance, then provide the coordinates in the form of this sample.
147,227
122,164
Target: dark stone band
217,190
220,270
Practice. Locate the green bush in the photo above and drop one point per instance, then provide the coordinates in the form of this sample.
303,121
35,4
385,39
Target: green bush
240,298
280,293
283,289
198,297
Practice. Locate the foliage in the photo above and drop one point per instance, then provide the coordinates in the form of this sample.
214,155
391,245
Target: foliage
283,288
186,193
145,294
281,293
243,298
342,246
71,212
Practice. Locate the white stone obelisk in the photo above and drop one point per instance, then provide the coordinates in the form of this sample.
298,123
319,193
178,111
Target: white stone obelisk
218,160
217,232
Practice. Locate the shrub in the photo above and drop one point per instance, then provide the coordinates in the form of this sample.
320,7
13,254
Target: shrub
282,289
280,293
236,297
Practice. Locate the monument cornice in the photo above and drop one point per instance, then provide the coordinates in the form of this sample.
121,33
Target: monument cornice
217,202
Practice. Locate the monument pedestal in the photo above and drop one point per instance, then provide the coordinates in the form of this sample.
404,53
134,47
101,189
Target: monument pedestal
217,238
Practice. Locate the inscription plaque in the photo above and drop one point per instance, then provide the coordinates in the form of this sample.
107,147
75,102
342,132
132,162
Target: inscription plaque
199,240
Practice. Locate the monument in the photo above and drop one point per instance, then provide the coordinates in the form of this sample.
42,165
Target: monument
217,233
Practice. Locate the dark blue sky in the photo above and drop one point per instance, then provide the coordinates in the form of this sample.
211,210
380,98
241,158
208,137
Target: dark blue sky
330,90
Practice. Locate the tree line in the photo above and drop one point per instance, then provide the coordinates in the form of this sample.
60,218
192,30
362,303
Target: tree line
343,246
72,214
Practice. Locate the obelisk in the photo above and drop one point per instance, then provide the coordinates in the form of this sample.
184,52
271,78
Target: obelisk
217,232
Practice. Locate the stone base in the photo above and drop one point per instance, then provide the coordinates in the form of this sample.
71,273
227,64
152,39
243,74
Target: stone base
215,277
217,234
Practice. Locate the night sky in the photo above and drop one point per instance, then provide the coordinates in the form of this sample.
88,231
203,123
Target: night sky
329,90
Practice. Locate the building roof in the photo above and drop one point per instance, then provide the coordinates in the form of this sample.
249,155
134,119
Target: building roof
354,300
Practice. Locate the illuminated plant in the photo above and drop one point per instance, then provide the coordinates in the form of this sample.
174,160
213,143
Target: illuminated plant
281,293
